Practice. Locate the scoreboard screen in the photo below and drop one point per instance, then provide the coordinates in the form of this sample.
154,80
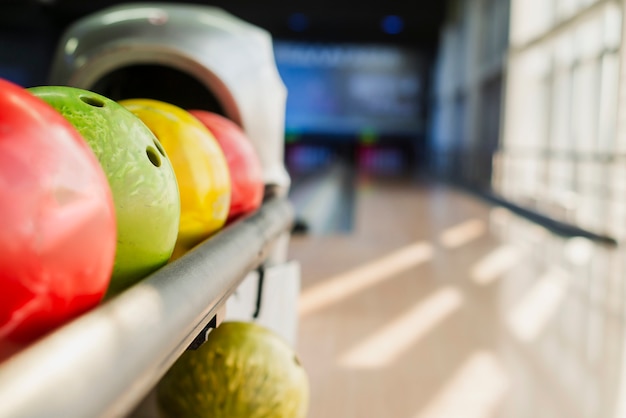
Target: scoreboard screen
351,89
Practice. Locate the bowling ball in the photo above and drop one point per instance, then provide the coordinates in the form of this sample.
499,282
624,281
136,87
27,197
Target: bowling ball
200,167
246,173
243,370
57,220
140,174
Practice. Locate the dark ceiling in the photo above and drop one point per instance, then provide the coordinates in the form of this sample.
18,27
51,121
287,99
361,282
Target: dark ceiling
319,20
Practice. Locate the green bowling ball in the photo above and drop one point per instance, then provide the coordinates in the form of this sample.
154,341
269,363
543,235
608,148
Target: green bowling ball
145,191
243,370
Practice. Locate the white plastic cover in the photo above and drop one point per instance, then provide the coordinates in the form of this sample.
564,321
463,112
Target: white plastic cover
233,58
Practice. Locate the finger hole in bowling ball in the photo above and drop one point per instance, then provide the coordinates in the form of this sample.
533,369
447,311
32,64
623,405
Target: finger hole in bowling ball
92,101
158,145
153,156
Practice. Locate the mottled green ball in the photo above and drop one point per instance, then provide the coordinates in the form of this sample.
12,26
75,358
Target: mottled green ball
145,191
242,371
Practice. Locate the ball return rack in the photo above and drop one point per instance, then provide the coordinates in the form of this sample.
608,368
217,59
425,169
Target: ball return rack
106,361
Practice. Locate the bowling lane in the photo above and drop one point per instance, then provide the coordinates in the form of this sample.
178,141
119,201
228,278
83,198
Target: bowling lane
324,200
437,305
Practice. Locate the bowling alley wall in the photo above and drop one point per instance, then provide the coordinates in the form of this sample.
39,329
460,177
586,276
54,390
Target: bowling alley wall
526,106
468,86
563,142
27,42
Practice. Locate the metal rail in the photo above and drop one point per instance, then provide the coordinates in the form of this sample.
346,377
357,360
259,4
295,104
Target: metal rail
105,362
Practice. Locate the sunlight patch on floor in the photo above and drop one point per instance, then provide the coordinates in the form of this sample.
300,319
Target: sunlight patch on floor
493,265
474,391
529,317
396,337
463,233
342,286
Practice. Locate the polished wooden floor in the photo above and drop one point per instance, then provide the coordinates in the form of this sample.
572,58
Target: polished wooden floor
437,305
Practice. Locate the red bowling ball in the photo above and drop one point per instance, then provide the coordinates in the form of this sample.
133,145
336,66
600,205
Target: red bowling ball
246,173
57,221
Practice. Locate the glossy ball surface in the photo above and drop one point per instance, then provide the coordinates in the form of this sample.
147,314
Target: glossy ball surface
141,177
246,173
58,233
199,164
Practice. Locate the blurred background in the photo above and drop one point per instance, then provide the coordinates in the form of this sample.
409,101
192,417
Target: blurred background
459,179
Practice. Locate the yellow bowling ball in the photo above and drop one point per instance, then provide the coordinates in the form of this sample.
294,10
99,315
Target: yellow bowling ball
199,164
